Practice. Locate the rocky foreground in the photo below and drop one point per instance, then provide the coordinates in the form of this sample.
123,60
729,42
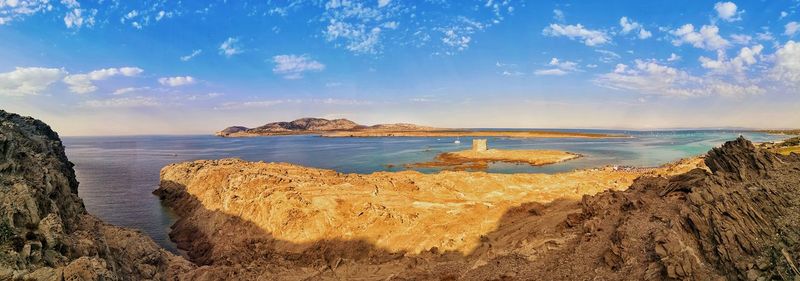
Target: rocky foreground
45,231
735,219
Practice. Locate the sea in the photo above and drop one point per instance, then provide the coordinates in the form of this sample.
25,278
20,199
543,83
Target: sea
118,174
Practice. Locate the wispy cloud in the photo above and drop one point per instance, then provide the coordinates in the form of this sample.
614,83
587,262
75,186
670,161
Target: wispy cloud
230,47
192,55
294,66
177,81
558,68
587,36
274,102
123,102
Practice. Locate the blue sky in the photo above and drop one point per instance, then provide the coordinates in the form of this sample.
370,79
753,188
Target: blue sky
161,67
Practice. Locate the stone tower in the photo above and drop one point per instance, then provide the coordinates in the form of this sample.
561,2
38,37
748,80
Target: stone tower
478,145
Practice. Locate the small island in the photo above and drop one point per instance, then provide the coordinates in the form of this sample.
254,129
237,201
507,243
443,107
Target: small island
347,128
480,156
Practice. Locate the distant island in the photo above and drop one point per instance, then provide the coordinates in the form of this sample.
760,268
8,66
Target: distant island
347,128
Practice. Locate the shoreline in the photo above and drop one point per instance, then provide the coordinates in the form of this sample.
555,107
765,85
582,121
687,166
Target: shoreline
428,133
479,160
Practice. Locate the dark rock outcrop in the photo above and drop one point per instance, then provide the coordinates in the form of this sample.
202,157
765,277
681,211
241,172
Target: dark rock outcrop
740,221
45,231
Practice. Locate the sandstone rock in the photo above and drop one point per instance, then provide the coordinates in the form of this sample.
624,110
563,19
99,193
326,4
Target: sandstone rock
736,219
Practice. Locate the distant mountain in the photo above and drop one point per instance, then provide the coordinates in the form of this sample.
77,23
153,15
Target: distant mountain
315,125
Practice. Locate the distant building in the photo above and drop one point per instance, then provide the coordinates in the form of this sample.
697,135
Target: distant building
479,145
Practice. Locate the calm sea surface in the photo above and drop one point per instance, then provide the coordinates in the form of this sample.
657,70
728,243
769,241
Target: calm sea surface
118,174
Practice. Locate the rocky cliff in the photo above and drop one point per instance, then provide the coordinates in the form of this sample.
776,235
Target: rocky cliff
45,231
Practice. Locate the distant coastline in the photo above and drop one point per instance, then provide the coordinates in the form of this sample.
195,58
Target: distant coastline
346,128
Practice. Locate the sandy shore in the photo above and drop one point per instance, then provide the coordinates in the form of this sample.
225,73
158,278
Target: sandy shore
478,160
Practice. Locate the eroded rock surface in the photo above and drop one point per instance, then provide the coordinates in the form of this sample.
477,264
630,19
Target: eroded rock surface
45,231
736,219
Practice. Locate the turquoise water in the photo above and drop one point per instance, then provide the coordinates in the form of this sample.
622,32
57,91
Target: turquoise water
118,174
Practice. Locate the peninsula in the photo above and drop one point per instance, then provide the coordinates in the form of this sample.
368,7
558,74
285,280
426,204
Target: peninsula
347,128
480,156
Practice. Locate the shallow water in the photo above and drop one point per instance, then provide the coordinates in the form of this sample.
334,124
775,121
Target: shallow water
118,174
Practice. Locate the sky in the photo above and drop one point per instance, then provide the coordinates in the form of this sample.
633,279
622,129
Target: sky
109,67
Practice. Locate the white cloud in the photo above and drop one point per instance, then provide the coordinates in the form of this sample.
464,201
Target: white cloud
68,3
783,15
11,10
608,56
651,78
673,57
459,35
558,15
511,73
736,66
230,47
163,14
192,55
565,65
791,28
787,64
630,25
82,83
177,81
123,102
364,27
77,18
254,104
391,25
451,38
357,25
765,36
270,103
130,71
24,81
587,36
359,39
508,69
707,38
293,66
727,11
124,91
741,39
554,71
132,14
559,68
